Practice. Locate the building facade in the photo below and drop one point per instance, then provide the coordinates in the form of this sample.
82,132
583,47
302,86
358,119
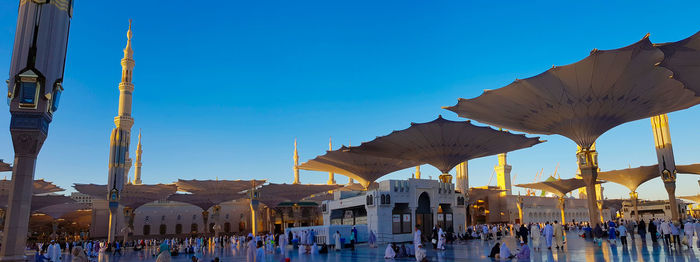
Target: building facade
396,207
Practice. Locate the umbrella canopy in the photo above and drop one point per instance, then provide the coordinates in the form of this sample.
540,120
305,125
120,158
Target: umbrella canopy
39,202
132,195
4,167
695,198
683,58
58,211
632,178
40,187
476,193
193,199
585,99
217,191
558,187
362,167
273,194
444,144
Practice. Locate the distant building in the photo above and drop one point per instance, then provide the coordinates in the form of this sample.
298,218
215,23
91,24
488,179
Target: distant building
82,198
658,209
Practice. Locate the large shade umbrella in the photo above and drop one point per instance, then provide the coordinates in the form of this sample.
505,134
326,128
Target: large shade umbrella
585,99
41,186
559,187
444,144
362,167
632,178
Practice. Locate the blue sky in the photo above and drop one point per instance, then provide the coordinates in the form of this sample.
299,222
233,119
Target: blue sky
223,88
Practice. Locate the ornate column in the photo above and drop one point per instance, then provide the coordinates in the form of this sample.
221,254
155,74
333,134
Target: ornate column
635,198
129,221
562,206
520,209
589,172
205,220
34,90
217,222
667,163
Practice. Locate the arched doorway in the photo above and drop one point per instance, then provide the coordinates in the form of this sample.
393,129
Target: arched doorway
424,215
163,229
146,230
227,227
178,229
193,228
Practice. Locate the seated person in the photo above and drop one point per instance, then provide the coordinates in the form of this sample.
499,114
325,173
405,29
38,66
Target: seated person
495,250
389,253
324,249
524,253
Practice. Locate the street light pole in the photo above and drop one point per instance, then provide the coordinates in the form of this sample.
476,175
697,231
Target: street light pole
34,90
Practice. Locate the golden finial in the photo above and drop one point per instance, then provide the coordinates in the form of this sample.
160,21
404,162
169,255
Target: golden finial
128,32
330,143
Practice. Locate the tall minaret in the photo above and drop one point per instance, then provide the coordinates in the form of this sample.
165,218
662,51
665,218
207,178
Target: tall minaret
137,165
462,181
503,174
331,176
296,163
119,161
667,162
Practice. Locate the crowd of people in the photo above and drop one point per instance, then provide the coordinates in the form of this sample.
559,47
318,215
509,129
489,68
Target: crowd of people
535,236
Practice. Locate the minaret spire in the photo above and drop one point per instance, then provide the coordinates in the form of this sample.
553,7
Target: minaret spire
137,165
119,160
296,163
331,176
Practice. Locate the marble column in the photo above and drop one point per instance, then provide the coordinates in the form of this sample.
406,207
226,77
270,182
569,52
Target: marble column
27,145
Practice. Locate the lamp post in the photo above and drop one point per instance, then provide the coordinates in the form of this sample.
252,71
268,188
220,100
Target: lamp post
34,89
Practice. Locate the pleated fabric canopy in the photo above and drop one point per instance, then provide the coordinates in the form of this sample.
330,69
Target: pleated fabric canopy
443,143
585,99
40,187
632,178
216,191
559,187
133,196
273,194
58,211
695,198
4,167
476,193
683,58
200,201
364,168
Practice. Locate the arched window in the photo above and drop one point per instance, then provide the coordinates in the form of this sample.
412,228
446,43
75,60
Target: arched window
179,217
388,199
162,218
382,200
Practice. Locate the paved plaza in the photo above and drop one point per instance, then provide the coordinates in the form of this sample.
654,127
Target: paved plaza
474,250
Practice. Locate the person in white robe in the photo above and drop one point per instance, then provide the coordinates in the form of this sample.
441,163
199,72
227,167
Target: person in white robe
536,235
416,239
441,239
420,253
389,253
251,251
336,239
